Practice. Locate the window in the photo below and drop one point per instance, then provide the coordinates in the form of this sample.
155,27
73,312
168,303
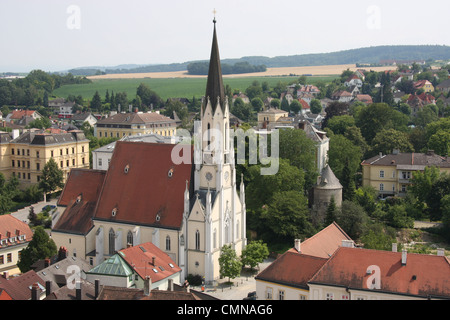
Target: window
73,162
82,160
37,154
99,162
302,297
280,295
9,257
403,188
215,239
51,153
67,163
167,243
112,238
38,166
18,152
67,150
329,296
12,151
269,294
62,164
130,238
197,240
73,150
60,152
82,149
2,259
381,187
28,152
12,163
381,174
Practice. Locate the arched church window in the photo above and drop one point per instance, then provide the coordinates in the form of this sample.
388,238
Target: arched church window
215,238
237,230
209,136
167,243
112,238
197,240
130,238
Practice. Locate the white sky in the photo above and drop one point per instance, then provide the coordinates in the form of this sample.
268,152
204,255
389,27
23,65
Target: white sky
40,34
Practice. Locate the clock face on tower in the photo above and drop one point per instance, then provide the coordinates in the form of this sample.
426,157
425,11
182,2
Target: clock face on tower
208,176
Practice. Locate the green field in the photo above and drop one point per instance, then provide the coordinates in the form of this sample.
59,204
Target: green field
168,88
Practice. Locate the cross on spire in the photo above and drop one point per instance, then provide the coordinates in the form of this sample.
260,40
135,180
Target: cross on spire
214,12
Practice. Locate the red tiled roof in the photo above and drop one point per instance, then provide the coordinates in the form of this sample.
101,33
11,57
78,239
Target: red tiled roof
12,226
79,196
324,243
4,295
19,114
140,258
145,193
19,287
423,275
292,269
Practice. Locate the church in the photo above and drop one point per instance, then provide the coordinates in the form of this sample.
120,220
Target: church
190,210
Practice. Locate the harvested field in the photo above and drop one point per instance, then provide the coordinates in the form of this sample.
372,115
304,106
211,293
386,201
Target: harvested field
271,72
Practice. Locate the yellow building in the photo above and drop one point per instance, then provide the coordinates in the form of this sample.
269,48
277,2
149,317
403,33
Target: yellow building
26,155
391,174
14,237
270,116
128,124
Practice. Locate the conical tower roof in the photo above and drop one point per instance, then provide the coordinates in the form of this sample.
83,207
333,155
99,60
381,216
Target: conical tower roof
214,87
328,180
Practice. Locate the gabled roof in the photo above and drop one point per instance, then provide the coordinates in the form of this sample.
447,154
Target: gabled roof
324,243
144,186
423,275
136,118
146,259
79,196
19,288
292,269
10,225
410,159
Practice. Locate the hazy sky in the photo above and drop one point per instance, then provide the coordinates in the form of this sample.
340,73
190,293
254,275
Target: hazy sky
54,35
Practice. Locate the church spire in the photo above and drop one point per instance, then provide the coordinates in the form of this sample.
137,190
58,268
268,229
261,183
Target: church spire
215,91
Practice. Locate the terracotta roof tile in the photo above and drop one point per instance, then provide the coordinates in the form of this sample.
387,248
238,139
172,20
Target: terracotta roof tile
140,258
11,227
292,269
423,275
324,243
145,193
19,288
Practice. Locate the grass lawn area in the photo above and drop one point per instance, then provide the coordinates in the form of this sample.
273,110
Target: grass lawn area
169,88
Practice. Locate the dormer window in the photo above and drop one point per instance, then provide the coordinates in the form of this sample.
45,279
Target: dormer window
170,173
126,169
114,212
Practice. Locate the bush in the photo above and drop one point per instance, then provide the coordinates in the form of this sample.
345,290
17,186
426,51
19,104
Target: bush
194,280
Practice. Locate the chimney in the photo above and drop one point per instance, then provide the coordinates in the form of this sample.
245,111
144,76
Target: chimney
78,290
297,244
347,243
153,261
97,288
35,292
170,286
394,247
5,275
440,252
404,257
46,262
48,288
62,253
147,286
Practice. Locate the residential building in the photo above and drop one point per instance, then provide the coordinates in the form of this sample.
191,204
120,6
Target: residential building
426,85
14,237
307,89
26,156
444,86
79,118
190,211
130,267
391,174
287,277
342,96
127,124
353,80
269,117
101,157
364,98
364,274
19,114
26,286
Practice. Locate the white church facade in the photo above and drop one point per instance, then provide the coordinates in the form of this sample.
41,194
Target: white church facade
188,210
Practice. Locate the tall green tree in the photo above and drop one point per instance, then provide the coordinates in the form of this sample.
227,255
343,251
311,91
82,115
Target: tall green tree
254,253
40,247
51,178
331,214
229,263
96,102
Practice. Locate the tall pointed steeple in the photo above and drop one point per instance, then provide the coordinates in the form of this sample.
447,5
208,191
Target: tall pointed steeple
214,86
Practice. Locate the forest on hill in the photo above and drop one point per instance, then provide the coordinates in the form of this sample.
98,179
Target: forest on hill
369,55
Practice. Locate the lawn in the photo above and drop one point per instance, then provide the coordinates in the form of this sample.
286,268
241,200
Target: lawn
169,87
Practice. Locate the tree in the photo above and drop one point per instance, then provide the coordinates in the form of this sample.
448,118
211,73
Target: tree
229,263
52,177
287,215
440,142
348,182
339,124
254,253
40,247
387,140
341,151
352,218
315,106
422,182
333,110
96,103
295,106
438,191
331,213
379,237
257,104
147,95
